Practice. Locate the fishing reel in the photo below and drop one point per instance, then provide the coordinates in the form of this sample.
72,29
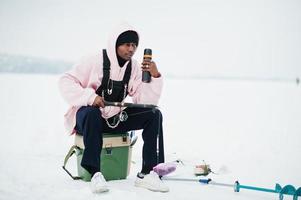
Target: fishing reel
123,116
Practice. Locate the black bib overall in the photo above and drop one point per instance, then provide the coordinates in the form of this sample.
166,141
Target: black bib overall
110,90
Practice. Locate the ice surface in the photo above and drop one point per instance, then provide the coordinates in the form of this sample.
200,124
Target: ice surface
246,130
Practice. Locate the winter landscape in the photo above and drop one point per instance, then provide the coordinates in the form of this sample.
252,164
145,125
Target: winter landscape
231,93
247,131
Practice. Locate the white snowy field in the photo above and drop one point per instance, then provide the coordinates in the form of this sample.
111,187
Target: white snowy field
247,131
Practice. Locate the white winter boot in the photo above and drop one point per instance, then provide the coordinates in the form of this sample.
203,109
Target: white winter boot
151,181
98,183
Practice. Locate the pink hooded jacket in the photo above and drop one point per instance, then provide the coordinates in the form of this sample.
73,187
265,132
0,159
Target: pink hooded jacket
78,85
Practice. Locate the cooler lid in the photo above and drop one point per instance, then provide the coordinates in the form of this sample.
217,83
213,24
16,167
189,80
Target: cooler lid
109,140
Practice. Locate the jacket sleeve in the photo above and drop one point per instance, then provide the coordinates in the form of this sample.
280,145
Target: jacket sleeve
146,93
73,85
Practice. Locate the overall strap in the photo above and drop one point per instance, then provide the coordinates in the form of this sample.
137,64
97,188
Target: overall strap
106,75
106,68
106,72
127,74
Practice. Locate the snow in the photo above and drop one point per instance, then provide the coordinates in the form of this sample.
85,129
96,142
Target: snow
246,130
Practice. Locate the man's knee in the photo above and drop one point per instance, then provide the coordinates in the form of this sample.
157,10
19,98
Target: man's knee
158,114
91,112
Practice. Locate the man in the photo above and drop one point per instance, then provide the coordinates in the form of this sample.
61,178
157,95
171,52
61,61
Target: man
111,76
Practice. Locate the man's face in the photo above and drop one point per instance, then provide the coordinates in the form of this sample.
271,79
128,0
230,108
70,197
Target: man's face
126,50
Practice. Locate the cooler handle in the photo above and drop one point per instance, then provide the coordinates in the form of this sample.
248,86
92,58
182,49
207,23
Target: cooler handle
69,154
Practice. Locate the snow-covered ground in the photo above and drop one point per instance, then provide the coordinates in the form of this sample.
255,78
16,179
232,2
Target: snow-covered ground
247,131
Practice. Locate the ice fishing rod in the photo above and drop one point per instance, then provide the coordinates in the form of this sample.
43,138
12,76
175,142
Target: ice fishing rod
288,189
129,105
136,105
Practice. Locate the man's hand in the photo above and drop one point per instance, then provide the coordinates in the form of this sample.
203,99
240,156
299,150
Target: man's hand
98,102
151,67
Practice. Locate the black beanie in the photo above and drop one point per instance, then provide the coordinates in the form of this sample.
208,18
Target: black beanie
127,37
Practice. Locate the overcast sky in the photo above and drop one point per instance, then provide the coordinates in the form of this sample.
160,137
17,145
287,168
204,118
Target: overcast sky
256,38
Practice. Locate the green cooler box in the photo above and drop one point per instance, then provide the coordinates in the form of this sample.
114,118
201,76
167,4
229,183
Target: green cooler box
115,156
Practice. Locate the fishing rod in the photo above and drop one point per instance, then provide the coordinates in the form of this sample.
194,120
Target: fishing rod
129,105
137,105
288,189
